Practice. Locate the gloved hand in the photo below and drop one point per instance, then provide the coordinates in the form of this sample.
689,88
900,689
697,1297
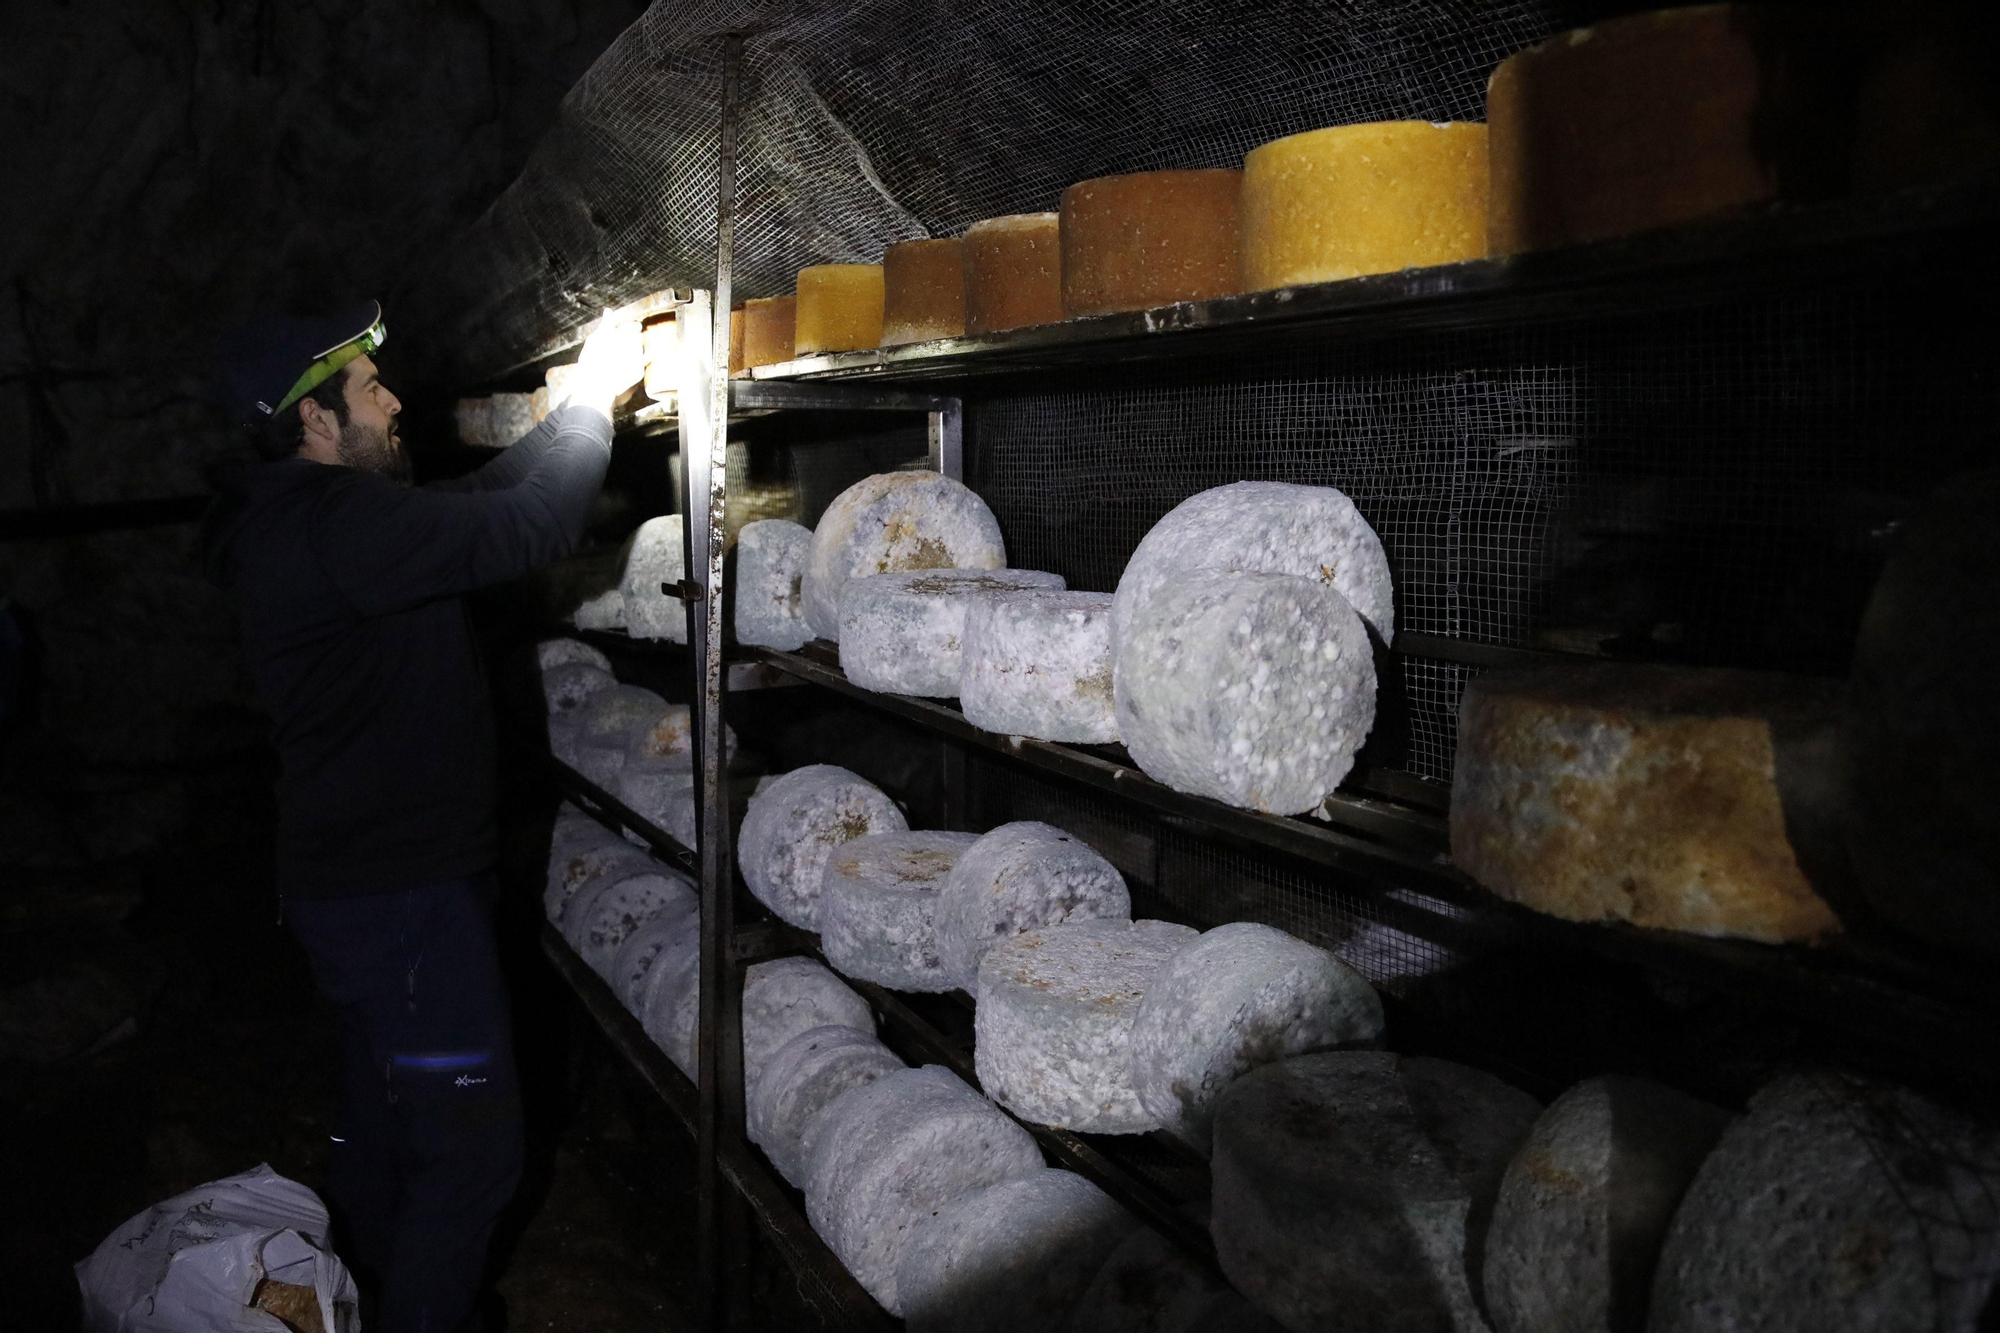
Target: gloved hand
612,362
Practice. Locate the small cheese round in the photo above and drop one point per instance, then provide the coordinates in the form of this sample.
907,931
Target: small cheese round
1011,1257
606,610
658,555
895,521
1262,527
1151,238
878,907
1242,995
635,957
625,905
800,1080
1013,272
1253,689
839,308
1039,664
792,827
669,1005
568,686
900,633
1053,1030
923,291
770,564
886,1156
1016,878
787,996
551,653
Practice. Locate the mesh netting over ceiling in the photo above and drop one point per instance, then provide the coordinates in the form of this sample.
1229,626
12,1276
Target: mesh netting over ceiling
888,120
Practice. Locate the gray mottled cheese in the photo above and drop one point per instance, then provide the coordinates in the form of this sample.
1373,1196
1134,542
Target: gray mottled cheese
568,686
1262,527
1253,689
895,521
1345,1185
604,728
1641,793
771,558
878,907
587,858
1585,1205
669,734
1242,995
1017,878
1039,664
660,791
887,1155
513,417
658,555
800,1080
1053,1030
634,960
559,652
473,417
606,610
626,904
1837,1204
900,633
787,996
1009,1258
670,1000
1146,1286
793,825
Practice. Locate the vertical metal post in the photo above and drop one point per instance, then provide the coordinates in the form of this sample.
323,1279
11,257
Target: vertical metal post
948,441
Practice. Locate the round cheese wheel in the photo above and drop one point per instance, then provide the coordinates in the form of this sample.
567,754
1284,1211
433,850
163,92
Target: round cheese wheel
770,566
605,611
1016,878
568,686
661,791
923,294
670,1001
574,865
1355,199
635,957
769,324
839,308
878,907
558,652
1039,664
513,417
895,521
658,555
787,996
626,903
800,1080
1151,238
1053,1030
901,633
793,826
473,418
1013,272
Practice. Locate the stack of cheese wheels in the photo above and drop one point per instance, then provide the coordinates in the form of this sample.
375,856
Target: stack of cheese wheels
1154,238
1641,793
581,850
901,633
887,1156
669,1006
1016,878
657,779
1013,272
1241,996
473,418
1663,118
1343,1185
839,308
1054,1024
636,956
788,996
1356,199
1039,664
611,917
768,324
770,565
800,1080
1012,1257
878,907
1585,1205
566,688
923,291
895,521
1837,1204
552,653
658,556
605,726
792,828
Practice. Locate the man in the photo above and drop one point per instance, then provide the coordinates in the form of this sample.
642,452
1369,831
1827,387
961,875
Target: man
349,586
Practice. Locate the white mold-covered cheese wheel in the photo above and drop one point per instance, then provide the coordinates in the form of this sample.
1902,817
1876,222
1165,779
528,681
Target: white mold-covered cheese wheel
658,555
1147,1285
1016,878
887,1155
1253,689
636,956
800,1080
605,726
669,1005
1242,995
1837,1204
661,791
771,558
584,860
626,904
551,653
568,686
1343,1185
1585,1205
787,996
1053,1032
878,907
604,611
793,826
894,521
1262,527
1039,664
1011,1257
901,633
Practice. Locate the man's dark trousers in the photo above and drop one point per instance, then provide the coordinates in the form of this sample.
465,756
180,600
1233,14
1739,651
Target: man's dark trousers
428,1144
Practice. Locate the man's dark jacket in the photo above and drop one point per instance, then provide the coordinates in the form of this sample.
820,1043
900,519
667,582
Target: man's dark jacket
349,592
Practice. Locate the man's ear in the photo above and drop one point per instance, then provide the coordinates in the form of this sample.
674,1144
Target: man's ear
322,428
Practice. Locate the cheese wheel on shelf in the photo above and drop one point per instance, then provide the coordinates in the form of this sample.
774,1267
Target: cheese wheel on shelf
839,308
669,1007
626,905
895,521
1016,878
1641,793
1013,272
923,291
604,611
878,907
570,685
736,335
901,633
660,790
787,996
581,858
636,956
1150,239
660,343
473,419
559,652
605,726
771,556
513,417
800,1080
1357,199
658,556
539,405
768,330
1039,664
794,823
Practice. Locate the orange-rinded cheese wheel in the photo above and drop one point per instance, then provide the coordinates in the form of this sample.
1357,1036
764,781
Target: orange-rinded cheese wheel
1355,199
839,309
923,291
1013,272
736,341
767,330
1152,238
661,340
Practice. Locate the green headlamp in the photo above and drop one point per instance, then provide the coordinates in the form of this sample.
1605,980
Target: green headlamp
330,363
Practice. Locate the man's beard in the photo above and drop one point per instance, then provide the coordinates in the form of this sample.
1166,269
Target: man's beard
369,449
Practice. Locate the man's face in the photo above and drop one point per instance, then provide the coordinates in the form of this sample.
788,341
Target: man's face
368,442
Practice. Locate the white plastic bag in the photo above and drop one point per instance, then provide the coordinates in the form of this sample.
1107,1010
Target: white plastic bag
192,1263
